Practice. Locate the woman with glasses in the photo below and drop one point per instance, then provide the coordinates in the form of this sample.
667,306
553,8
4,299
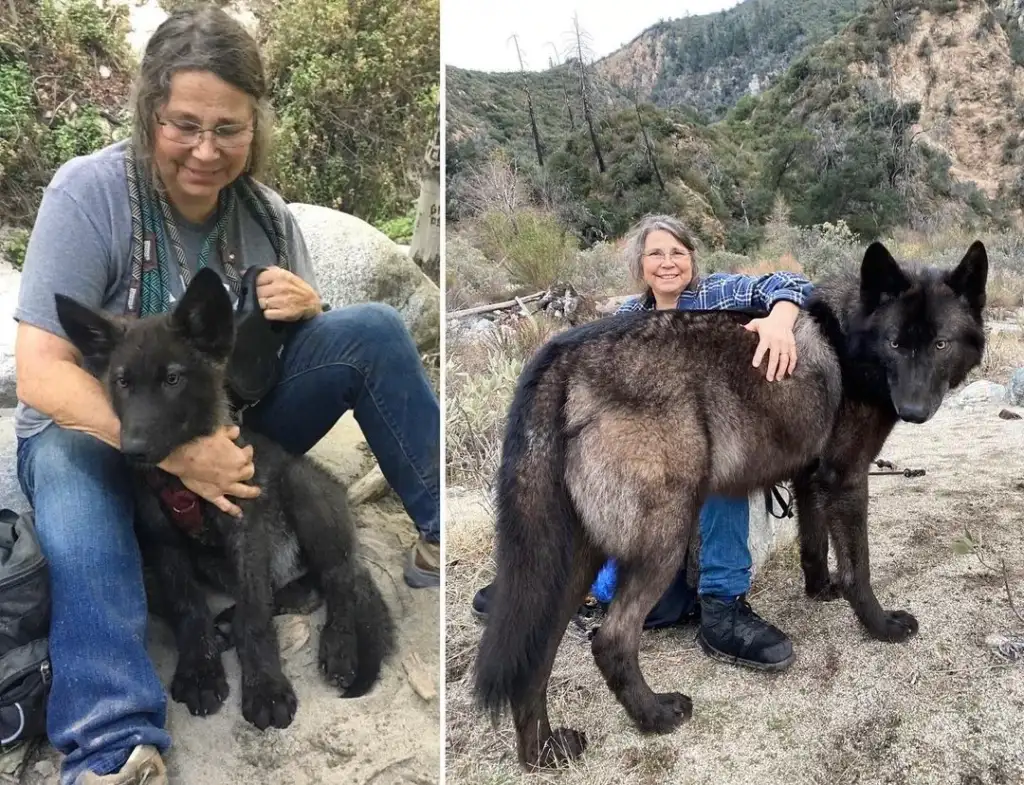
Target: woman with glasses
124,229
661,256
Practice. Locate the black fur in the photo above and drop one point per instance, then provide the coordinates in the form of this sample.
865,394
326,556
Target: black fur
620,429
165,377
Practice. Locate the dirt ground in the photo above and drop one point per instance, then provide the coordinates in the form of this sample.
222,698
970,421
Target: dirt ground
945,707
389,737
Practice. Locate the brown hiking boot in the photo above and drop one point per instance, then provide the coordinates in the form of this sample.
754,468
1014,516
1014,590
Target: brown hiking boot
423,567
143,767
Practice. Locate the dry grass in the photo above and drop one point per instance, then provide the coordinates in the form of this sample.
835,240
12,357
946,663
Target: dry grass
939,709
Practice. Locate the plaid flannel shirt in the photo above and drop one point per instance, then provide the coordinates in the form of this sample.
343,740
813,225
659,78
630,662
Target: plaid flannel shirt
724,291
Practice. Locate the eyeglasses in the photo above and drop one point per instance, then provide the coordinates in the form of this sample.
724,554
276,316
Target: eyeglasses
187,133
675,255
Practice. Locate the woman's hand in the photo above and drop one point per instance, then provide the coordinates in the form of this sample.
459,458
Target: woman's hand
213,467
285,297
776,333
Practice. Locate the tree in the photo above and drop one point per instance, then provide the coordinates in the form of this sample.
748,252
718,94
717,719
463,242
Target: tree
529,106
425,248
581,50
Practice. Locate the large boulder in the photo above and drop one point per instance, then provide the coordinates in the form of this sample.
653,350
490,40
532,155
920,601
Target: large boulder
1015,391
357,263
10,283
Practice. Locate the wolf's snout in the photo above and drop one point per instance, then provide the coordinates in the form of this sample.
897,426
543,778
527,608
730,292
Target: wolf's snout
916,413
134,447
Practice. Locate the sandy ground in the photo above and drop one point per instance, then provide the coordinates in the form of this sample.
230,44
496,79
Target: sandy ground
943,708
388,737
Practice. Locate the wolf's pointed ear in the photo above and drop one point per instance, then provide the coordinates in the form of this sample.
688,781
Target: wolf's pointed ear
92,333
968,279
881,278
204,316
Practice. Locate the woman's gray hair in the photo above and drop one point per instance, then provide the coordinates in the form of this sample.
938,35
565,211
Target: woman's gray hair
638,237
203,38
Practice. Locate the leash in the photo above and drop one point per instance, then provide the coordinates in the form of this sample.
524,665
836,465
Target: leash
887,468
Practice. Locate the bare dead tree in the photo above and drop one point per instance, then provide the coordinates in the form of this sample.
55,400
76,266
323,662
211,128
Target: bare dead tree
585,90
565,88
529,105
495,186
634,94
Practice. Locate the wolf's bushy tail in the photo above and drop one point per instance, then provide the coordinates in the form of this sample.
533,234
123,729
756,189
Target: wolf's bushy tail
534,539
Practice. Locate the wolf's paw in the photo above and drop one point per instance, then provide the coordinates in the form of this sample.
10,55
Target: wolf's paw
899,625
562,746
338,659
200,684
825,591
668,711
269,701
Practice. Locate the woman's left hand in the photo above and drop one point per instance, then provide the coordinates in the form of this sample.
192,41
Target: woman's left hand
285,297
776,333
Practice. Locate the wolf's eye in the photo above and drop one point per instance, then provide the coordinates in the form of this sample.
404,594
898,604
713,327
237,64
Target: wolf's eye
940,345
894,344
172,379
121,381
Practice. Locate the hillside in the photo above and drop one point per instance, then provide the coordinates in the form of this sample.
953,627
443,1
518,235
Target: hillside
909,115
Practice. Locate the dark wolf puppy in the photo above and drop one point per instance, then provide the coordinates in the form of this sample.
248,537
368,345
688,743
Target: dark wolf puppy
165,376
620,429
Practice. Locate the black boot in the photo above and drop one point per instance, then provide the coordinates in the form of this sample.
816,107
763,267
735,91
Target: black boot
734,633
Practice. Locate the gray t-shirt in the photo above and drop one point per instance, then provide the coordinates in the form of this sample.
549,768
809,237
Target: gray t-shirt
81,246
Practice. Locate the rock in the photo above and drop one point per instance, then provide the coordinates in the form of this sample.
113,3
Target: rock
10,490
10,282
1006,414
104,72
981,392
357,263
1015,390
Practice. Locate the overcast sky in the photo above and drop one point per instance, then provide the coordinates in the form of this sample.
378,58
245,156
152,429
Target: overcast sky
476,34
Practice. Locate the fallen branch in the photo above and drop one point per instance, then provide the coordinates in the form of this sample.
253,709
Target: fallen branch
495,306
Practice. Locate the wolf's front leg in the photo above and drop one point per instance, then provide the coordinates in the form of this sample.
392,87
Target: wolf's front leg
267,695
199,681
847,513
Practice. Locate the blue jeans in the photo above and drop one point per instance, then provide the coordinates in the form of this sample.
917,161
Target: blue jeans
106,697
724,562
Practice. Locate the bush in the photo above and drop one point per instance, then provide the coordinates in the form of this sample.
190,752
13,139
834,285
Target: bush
355,85
531,243
15,247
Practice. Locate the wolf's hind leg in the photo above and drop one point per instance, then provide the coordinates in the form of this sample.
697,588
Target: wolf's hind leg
359,632
659,551
539,746
812,524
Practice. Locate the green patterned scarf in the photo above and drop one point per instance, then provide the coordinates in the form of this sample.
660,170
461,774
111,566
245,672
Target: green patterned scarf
155,234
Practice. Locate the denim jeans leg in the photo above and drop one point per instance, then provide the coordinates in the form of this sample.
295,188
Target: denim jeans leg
106,697
724,551
362,357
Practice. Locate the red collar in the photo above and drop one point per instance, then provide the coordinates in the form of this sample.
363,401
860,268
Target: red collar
182,505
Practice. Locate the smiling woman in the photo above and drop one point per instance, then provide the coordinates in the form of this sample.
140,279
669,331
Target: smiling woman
125,230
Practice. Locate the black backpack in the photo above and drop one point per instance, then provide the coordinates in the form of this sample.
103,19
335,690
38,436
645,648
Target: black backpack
24,630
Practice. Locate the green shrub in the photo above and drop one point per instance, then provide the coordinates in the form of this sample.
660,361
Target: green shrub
15,247
534,246
355,86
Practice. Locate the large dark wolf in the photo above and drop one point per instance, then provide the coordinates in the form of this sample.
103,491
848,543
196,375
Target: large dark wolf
620,429
166,378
